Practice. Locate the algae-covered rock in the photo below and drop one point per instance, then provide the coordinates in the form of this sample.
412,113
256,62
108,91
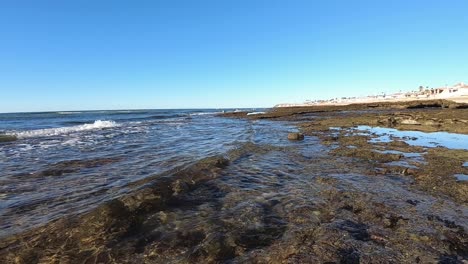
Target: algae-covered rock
7,138
216,161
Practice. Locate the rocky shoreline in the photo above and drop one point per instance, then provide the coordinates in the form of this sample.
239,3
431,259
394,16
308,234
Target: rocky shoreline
338,195
431,172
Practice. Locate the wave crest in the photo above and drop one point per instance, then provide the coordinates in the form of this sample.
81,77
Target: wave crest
205,113
98,124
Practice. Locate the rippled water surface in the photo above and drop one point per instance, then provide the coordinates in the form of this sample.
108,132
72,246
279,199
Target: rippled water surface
68,162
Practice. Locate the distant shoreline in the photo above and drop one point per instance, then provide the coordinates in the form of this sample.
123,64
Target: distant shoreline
457,99
457,93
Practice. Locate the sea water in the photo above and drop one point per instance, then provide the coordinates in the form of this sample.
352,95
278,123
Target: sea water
68,162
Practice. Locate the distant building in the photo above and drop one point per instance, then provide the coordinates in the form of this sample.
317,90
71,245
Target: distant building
460,85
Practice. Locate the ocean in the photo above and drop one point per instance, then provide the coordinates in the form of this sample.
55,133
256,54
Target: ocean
185,175
66,163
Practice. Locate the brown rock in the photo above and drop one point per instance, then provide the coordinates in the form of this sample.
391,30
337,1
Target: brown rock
296,136
410,122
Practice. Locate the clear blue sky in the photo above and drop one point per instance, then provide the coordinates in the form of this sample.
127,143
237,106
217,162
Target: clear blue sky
111,54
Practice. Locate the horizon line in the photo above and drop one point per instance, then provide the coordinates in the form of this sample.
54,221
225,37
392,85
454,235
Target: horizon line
132,109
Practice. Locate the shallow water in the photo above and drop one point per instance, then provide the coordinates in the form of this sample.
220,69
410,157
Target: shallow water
406,154
461,177
417,138
69,162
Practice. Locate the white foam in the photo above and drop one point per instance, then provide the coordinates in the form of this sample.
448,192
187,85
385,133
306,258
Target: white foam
256,113
205,113
72,142
98,124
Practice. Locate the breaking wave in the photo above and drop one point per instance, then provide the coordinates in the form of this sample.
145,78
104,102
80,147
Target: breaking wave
256,113
98,124
205,113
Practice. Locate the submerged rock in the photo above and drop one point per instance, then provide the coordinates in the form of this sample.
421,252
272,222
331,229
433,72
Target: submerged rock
68,167
296,136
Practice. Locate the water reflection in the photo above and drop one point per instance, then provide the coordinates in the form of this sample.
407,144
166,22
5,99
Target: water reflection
417,138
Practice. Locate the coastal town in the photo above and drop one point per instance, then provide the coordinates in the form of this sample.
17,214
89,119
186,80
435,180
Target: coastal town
457,93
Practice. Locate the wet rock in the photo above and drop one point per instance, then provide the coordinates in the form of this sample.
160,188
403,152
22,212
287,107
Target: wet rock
349,256
216,161
239,114
427,104
458,242
109,220
408,171
7,138
367,154
449,259
391,221
412,202
437,174
397,144
178,186
147,199
218,247
295,136
357,230
389,121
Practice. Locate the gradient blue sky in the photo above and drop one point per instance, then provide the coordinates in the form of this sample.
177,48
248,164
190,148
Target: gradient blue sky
110,54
